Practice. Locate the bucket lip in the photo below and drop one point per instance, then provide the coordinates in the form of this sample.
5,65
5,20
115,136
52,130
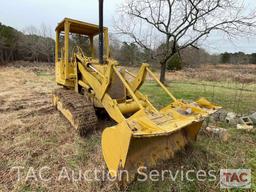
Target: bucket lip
162,133
166,132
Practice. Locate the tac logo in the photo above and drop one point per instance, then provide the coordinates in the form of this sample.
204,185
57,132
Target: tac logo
235,178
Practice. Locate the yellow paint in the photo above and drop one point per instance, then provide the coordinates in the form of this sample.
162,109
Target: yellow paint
63,62
57,103
147,135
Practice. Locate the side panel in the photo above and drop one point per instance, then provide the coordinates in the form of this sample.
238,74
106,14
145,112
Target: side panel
60,74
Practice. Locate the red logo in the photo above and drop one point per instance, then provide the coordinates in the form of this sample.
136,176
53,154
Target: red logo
235,178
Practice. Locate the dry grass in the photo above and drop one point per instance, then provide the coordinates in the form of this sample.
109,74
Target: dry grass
223,73
219,73
34,134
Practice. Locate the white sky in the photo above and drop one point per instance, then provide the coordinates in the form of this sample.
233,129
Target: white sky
23,13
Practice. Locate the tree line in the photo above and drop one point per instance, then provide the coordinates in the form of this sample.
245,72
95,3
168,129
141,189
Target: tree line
133,55
37,45
30,45
238,58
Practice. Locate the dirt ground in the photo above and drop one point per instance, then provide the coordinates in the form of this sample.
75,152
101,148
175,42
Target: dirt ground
33,134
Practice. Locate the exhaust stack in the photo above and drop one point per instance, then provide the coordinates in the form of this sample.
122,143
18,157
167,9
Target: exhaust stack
101,38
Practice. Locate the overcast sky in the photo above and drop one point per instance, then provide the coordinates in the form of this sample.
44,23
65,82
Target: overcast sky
23,13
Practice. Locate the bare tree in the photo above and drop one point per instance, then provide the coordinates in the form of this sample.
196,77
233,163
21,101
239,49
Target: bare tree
2,46
29,44
46,43
179,24
37,44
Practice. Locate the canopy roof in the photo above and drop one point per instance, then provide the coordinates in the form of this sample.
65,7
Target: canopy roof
79,27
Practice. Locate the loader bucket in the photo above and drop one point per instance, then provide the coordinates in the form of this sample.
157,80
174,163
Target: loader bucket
147,138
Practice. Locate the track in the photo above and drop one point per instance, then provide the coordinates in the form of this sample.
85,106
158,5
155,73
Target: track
77,108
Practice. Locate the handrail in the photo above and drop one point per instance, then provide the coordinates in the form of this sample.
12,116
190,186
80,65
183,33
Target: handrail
95,70
129,73
159,82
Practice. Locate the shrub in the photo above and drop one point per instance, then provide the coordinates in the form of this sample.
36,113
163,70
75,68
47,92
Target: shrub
174,63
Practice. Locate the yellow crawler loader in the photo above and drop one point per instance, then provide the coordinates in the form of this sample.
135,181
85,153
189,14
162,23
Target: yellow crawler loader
143,135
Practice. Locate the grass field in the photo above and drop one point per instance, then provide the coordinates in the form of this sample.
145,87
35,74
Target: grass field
232,97
34,134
